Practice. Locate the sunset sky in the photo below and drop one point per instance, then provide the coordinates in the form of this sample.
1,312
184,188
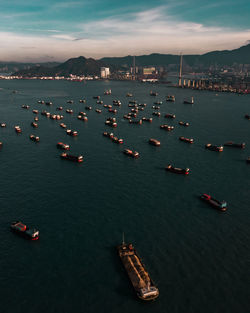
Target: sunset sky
44,30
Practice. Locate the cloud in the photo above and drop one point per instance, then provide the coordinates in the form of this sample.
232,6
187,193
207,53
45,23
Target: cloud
132,33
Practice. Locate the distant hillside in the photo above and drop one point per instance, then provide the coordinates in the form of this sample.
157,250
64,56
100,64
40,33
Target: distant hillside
225,57
75,66
10,67
84,66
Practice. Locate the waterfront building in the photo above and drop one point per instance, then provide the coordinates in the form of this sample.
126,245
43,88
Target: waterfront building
105,72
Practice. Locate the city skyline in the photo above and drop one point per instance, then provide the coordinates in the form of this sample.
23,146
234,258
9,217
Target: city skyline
55,31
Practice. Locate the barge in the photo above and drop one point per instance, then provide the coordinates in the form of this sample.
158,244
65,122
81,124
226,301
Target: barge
188,140
235,145
21,229
154,142
131,153
143,285
220,205
71,157
213,147
177,170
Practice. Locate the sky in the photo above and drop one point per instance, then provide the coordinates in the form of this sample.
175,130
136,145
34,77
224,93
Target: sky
53,30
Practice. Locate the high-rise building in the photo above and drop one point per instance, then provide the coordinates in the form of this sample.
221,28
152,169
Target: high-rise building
105,72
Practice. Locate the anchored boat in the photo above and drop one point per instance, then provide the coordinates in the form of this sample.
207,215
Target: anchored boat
143,285
21,229
220,205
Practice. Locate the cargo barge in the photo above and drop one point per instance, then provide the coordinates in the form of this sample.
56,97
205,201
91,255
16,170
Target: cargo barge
143,285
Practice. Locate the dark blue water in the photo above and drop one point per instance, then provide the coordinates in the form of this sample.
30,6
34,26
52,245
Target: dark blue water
198,257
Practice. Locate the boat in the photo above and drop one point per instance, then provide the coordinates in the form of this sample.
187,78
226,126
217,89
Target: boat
170,98
71,132
25,106
88,108
48,103
169,115
96,97
129,95
158,102
109,135
167,127
82,113
113,111
147,119
98,111
35,111
1,144
117,140
23,230
213,147
18,129
34,138
139,122
99,102
33,124
143,285
184,123
133,102
157,114
107,92
82,100
189,100
70,101
69,111
154,142
82,117
3,125
36,119
62,146
177,170
155,107
235,145
131,153
247,116
142,105
220,205
41,101
73,158
117,103
248,160
63,125
59,108
189,140
153,93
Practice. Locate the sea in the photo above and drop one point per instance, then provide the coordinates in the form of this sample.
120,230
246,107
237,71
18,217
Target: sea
198,257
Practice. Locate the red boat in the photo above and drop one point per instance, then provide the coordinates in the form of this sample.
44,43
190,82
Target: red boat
71,132
131,153
214,148
73,158
21,229
220,205
189,140
62,146
154,142
177,170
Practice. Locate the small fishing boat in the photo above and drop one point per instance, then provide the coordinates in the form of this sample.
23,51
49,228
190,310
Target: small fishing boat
170,98
138,122
184,123
235,145
177,170
71,132
213,147
35,111
154,142
188,140
98,111
70,111
33,124
189,100
63,125
169,115
3,125
73,158
23,230
34,138
25,106
153,93
88,108
220,205
147,119
62,146
157,114
167,127
18,129
131,153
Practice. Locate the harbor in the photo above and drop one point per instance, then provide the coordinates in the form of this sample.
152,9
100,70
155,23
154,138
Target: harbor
81,208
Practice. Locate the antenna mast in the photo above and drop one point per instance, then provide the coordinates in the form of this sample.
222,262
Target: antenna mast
180,73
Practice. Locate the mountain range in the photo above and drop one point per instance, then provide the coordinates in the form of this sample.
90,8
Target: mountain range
89,66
